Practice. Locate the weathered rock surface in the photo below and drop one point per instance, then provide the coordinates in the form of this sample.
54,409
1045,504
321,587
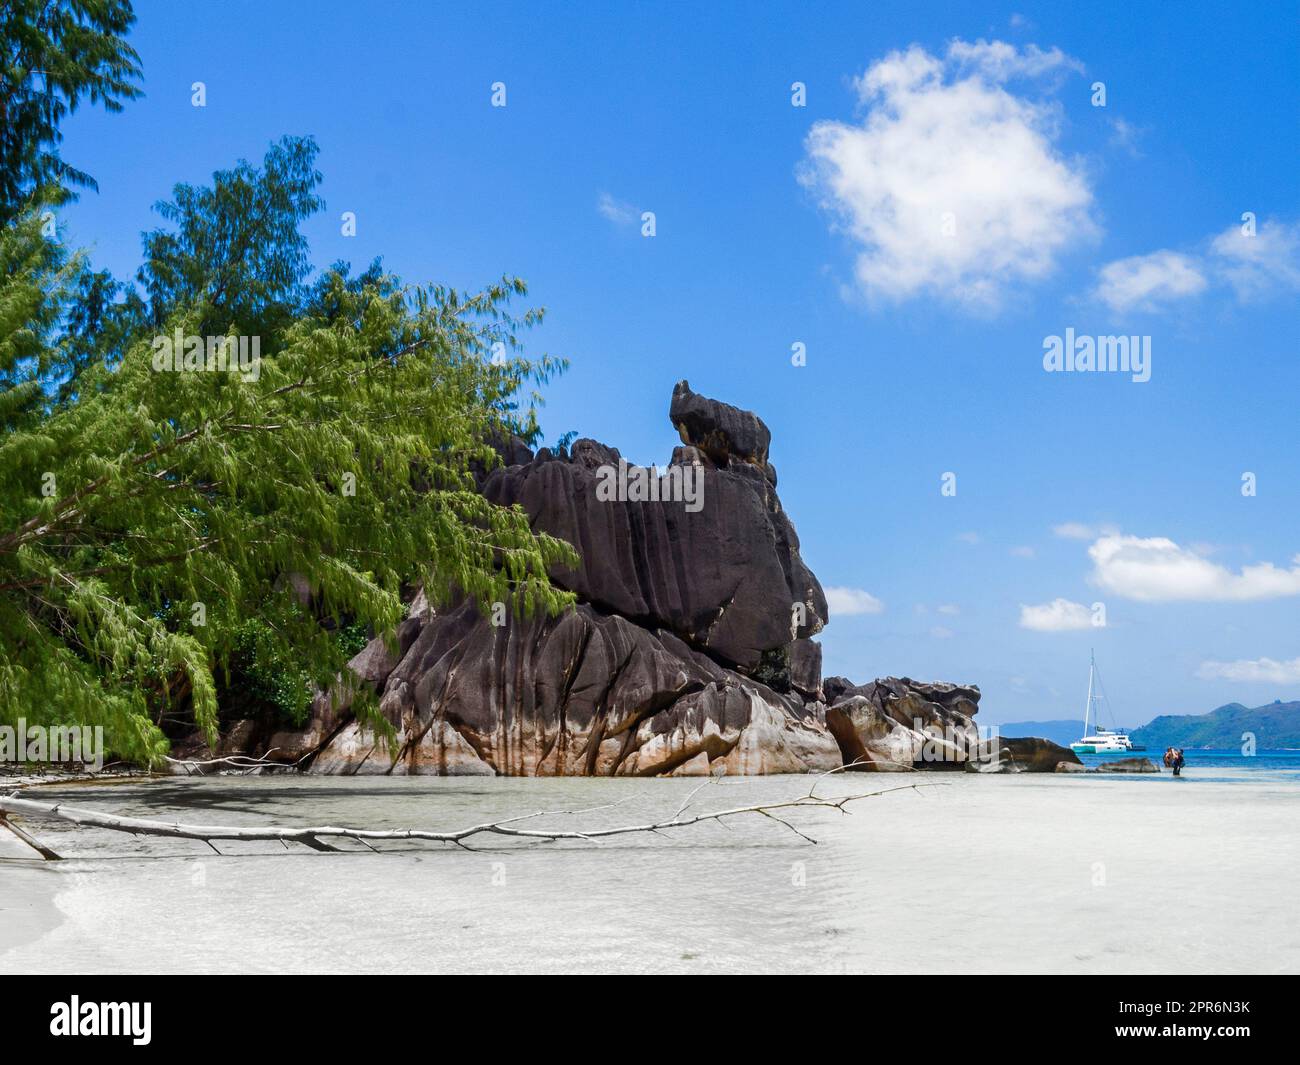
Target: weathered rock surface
1030,754
897,724
1128,765
586,693
727,577
723,432
689,651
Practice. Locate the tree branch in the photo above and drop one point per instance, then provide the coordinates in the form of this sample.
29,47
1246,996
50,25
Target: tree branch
314,836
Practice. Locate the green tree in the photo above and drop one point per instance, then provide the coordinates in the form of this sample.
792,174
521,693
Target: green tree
53,55
235,246
144,520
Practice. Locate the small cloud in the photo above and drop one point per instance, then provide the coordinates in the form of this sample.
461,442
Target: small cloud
1156,569
1258,266
1124,135
1075,531
618,212
951,609
1252,670
1145,282
849,601
940,633
1060,615
1000,62
1024,551
969,537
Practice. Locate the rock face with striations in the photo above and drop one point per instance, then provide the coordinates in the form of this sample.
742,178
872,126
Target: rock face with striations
689,651
899,724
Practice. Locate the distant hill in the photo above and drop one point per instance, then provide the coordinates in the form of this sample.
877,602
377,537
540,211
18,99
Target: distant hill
1275,724
1062,732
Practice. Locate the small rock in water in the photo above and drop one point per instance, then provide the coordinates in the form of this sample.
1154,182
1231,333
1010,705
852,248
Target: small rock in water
1128,765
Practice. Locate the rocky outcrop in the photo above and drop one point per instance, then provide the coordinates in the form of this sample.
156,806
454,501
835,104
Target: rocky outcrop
1128,765
898,724
1030,754
585,693
689,651
1118,765
726,577
726,434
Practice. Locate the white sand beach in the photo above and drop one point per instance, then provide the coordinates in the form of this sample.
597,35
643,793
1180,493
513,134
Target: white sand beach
985,875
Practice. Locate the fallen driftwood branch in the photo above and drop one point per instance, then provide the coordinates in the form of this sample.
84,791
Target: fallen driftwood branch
247,762
31,841
315,837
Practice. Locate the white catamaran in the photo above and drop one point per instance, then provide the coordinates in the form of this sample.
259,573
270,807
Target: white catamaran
1100,740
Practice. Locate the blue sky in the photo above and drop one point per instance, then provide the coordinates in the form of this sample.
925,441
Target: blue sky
948,198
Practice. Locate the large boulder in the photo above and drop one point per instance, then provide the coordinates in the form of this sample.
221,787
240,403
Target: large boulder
726,434
1030,754
1128,765
897,724
585,693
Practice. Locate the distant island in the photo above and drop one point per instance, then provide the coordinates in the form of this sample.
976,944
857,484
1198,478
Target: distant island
1275,725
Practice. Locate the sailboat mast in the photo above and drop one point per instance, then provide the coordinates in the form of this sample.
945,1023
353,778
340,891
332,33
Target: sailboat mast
1087,712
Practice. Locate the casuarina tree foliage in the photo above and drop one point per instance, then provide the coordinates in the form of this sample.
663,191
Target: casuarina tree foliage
225,470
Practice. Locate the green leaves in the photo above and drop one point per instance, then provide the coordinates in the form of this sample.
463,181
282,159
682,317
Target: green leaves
53,55
148,517
165,516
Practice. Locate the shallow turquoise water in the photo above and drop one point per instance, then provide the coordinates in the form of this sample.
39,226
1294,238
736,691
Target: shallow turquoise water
1207,763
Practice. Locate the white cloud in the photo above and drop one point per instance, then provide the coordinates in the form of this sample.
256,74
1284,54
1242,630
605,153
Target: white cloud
618,212
1124,135
1259,265
1156,569
1256,266
1023,551
951,185
940,633
969,537
1144,282
846,601
1074,530
998,61
1060,615
950,609
1258,670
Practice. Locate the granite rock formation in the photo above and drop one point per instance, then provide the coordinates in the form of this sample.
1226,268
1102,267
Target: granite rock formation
1031,754
689,651
897,724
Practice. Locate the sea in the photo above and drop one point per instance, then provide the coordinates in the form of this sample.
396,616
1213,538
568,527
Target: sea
1205,760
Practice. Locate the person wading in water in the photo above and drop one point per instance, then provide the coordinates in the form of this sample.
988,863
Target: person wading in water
1174,759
